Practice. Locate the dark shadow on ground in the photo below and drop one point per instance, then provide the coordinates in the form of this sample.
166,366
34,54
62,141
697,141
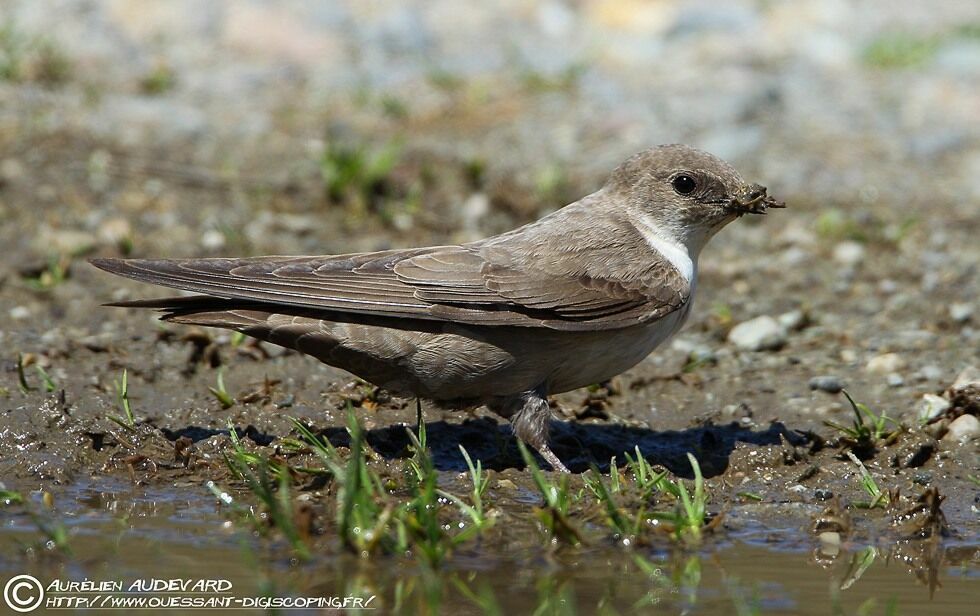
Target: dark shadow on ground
578,445
198,433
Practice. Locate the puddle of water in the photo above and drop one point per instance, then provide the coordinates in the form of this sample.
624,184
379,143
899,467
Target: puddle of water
123,533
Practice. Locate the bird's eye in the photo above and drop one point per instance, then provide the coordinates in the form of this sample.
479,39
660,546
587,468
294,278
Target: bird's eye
683,184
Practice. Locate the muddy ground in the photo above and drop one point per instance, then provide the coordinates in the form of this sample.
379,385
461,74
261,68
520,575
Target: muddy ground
869,279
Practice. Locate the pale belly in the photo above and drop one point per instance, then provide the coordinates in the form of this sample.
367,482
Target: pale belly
612,353
503,362
467,363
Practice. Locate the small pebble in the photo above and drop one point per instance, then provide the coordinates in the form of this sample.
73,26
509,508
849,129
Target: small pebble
759,334
848,253
821,494
931,407
792,320
65,241
930,372
11,170
830,543
115,231
915,455
960,312
213,239
963,429
923,479
19,313
968,376
887,286
895,380
886,363
703,355
829,384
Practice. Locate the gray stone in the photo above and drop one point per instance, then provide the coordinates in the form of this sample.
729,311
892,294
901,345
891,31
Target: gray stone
960,312
931,407
929,372
923,479
895,380
960,58
11,170
968,376
849,253
19,313
703,354
963,429
829,384
213,239
887,286
792,320
886,363
830,542
65,241
759,334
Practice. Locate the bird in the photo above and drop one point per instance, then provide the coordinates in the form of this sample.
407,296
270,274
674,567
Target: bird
567,301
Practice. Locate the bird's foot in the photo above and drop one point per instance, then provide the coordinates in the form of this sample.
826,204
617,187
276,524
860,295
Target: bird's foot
530,422
552,459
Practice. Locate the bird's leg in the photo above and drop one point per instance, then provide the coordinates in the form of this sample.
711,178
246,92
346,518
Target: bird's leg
530,423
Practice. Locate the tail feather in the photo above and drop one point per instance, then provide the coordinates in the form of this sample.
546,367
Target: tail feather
236,314
170,303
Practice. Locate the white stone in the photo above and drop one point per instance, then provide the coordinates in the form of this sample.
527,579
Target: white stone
792,320
960,312
830,543
848,253
930,372
213,239
759,334
963,429
968,376
886,363
932,406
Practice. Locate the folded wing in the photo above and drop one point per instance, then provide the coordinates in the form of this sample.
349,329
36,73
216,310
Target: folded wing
470,284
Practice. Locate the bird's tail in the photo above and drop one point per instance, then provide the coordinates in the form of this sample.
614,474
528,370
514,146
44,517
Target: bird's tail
203,310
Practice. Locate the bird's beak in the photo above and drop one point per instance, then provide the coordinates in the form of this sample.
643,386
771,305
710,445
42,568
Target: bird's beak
754,200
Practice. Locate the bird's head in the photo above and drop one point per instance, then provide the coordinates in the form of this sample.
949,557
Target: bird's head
686,193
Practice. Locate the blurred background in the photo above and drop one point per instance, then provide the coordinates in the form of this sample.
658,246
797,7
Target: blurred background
282,126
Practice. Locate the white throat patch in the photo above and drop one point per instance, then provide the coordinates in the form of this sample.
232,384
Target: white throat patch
671,249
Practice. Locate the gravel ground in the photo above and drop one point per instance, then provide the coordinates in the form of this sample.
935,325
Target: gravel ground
177,129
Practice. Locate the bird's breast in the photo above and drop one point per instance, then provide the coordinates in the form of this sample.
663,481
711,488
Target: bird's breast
602,355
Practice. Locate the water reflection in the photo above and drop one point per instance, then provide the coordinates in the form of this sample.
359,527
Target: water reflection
128,533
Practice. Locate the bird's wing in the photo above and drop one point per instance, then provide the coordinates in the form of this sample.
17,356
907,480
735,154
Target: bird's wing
473,284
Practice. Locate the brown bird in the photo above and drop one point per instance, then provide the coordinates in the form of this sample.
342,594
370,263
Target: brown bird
570,300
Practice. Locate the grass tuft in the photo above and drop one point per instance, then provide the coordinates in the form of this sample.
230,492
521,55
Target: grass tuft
220,393
554,515
122,398
474,510
878,498
687,521
46,381
355,173
21,376
867,429
270,482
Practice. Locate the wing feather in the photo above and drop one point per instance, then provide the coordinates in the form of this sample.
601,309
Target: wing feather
490,283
